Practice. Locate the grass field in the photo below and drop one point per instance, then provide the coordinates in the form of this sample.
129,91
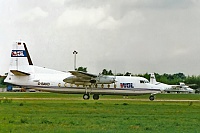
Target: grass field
49,112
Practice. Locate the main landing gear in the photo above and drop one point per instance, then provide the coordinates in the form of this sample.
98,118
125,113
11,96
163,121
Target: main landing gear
87,96
96,97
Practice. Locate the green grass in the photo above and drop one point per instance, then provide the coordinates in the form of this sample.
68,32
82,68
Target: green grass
72,114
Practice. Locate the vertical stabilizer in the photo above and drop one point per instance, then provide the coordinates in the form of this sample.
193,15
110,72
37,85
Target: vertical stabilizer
152,78
20,58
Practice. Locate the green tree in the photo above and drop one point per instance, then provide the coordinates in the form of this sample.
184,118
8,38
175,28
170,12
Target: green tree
127,74
110,72
119,74
146,75
2,84
83,69
194,81
106,72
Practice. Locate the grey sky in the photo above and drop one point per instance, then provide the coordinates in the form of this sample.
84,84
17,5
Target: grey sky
137,36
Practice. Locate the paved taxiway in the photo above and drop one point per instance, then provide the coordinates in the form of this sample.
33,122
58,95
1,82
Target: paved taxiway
105,99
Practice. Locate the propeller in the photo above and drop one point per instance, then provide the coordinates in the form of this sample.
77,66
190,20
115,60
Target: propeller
114,79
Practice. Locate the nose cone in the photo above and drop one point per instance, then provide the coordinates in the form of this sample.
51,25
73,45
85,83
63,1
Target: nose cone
190,90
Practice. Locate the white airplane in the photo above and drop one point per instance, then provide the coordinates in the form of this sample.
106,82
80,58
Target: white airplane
170,88
23,73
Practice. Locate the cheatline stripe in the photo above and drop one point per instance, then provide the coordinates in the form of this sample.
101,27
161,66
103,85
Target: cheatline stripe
128,89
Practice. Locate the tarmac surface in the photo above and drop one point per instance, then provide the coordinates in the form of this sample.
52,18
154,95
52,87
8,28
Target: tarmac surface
104,99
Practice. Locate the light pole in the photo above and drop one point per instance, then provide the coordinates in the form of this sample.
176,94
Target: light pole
75,53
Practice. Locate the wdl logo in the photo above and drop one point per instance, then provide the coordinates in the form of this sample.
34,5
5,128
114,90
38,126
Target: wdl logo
126,85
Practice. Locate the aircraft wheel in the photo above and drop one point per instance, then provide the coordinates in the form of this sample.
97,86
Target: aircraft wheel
86,96
96,97
151,97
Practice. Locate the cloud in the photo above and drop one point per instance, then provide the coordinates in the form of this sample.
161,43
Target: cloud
92,17
108,23
136,35
163,4
133,18
58,2
34,14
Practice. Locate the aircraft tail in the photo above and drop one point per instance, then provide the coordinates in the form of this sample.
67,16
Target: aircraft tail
153,78
20,59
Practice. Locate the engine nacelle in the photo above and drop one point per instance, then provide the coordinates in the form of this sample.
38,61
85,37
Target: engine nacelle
70,79
105,80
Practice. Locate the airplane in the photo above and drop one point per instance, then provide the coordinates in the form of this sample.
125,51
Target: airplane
170,88
23,73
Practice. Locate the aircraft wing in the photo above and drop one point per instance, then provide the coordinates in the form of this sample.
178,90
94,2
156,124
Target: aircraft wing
80,77
83,78
83,74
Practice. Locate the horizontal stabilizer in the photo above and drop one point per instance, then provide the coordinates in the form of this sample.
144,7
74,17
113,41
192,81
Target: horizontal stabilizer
19,73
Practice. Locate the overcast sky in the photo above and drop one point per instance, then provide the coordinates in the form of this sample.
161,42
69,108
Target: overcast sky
137,36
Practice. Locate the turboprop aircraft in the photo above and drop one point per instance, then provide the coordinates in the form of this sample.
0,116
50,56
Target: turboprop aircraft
170,88
23,73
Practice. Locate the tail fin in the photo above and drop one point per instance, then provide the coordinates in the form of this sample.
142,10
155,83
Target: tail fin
20,59
152,78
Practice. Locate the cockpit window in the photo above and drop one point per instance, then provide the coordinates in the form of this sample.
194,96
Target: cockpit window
141,81
144,81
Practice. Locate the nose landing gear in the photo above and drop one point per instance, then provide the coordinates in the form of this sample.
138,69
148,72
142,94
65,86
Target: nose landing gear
152,97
